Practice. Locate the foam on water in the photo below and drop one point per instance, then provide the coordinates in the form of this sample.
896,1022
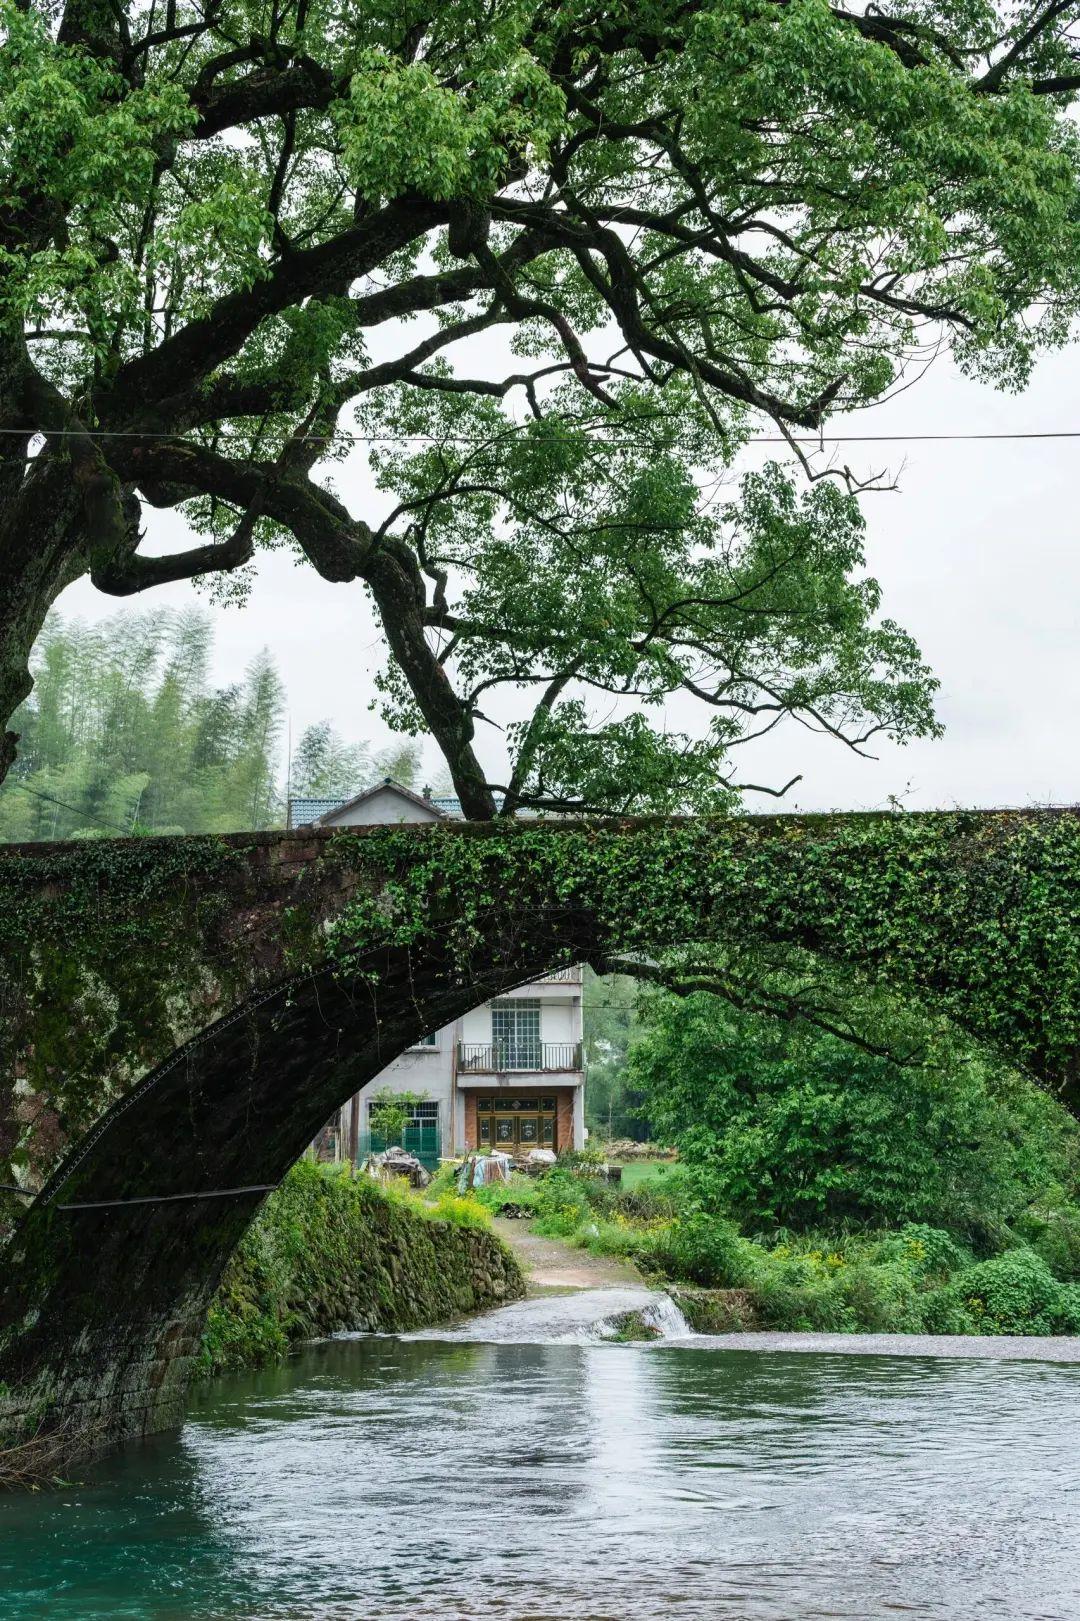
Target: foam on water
666,1319
587,1317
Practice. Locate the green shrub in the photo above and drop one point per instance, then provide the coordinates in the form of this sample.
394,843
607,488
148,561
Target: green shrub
881,1299
783,1303
444,1180
565,1202
446,1205
651,1201
1052,1229
703,1249
926,1252
589,1157
1015,1293
519,1190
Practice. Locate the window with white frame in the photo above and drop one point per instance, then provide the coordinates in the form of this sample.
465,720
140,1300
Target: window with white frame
425,1043
515,1033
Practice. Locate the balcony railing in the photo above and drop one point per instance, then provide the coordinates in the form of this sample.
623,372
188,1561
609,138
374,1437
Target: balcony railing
532,1057
561,976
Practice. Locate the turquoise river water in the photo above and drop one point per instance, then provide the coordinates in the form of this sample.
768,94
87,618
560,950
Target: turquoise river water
444,1479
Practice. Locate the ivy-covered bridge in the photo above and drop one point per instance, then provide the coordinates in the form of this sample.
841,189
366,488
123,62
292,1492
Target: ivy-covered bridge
179,1016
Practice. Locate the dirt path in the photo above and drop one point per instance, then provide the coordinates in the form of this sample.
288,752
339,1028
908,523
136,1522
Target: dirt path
551,1266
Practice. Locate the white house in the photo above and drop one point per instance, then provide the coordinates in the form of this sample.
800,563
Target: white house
509,1073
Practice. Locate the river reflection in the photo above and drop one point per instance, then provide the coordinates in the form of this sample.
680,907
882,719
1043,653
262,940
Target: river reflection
428,1479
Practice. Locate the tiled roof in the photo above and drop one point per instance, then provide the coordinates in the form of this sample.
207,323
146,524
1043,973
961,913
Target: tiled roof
304,811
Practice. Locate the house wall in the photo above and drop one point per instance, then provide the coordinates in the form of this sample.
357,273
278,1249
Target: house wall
558,1022
385,805
426,1070
431,1071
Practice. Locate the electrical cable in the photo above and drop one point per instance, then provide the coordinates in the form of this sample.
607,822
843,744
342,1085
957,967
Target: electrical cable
170,1198
163,1198
85,814
474,439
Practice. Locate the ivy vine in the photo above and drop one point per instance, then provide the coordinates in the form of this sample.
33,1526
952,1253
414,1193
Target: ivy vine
112,952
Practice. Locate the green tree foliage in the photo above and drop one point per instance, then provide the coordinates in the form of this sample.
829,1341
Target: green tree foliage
785,1125
324,766
612,1108
389,1112
124,733
554,265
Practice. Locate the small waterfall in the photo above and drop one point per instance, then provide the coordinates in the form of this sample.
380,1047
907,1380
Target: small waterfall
655,1318
665,1317
582,1317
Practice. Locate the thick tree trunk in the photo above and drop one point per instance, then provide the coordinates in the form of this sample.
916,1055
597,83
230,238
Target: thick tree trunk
398,592
40,554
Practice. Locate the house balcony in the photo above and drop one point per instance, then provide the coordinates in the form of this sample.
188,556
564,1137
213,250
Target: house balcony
561,976
519,1058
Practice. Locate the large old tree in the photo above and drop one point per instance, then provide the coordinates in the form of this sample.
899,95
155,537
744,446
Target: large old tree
551,264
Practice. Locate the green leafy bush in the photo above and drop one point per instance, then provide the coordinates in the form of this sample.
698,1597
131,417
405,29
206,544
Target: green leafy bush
1015,1293
519,1190
702,1249
928,1253
1052,1229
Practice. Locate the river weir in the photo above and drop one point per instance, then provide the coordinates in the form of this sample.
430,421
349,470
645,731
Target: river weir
592,1316
477,1472
582,1316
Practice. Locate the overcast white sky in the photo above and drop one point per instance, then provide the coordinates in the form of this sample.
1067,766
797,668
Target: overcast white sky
977,554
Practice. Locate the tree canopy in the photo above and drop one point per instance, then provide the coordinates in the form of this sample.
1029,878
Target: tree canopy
553,265
783,1125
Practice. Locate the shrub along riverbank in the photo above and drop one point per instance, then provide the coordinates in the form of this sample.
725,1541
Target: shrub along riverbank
916,1279
328,1253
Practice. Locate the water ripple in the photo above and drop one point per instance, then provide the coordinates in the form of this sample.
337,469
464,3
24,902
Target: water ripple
444,1480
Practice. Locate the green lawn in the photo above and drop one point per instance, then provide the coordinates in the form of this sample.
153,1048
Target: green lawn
645,1170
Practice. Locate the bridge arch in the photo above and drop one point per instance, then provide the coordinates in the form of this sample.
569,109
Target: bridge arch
224,996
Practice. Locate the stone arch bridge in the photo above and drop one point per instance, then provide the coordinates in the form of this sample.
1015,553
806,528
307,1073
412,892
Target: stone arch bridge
179,1016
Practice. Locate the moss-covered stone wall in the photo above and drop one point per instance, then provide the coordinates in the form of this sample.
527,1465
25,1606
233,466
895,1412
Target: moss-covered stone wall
327,1253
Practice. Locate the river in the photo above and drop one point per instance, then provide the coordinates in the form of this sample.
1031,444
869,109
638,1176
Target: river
462,1477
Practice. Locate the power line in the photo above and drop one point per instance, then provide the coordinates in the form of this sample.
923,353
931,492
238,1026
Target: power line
171,1198
906,438
75,810
475,439
161,1198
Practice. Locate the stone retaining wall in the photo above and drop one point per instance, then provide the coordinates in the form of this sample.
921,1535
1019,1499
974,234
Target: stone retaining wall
329,1254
